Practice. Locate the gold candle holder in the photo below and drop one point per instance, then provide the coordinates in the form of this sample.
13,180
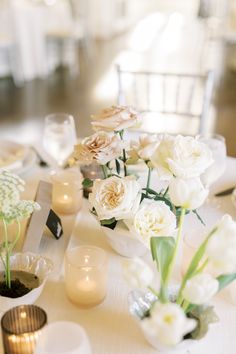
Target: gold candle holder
86,269
21,328
67,191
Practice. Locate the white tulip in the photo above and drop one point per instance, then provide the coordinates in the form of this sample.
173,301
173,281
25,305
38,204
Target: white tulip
153,218
115,197
200,288
181,156
187,193
137,273
168,323
221,248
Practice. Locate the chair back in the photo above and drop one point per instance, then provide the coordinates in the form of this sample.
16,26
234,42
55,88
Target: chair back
165,96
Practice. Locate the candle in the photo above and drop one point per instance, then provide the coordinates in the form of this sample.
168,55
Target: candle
67,191
86,275
21,328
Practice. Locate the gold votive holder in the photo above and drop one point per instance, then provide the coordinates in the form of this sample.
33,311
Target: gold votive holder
21,328
86,271
67,193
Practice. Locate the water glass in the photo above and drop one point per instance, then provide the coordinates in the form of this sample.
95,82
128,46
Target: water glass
216,144
59,136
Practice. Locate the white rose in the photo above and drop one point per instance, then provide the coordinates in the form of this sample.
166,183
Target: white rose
115,197
167,323
115,118
187,193
221,247
181,156
153,218
101,147
137,273
144,148
200,289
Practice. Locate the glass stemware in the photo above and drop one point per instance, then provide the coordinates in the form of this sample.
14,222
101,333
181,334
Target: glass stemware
59,137
216,144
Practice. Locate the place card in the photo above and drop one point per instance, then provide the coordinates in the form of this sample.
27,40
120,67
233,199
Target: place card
39,219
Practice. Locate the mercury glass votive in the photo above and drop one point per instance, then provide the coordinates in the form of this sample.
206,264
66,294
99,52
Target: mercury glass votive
86,271
67,191
21,328
92,171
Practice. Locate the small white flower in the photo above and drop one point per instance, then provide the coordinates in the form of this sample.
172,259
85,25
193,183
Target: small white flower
187,193
137,273
153,218
11,207
115,118
115,197
144,148
181,156
200,288
221,248
167,323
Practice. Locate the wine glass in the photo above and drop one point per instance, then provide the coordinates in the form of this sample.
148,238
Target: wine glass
216,144
59,136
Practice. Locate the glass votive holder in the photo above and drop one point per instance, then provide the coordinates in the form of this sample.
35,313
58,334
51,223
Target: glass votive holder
67,193
63,337
21,328
86,271
92,171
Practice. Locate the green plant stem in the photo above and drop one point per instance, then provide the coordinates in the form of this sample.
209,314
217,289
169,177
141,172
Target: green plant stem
17,236
104,170
185,305
148,179
124,159
7,260
177,243
153,291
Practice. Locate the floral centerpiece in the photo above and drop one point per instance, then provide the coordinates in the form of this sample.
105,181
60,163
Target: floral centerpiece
168,316
12,211
121,204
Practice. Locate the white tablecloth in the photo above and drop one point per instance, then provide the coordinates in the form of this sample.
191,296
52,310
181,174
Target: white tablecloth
110,327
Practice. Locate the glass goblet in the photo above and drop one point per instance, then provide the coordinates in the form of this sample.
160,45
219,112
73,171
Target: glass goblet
216,144
59,136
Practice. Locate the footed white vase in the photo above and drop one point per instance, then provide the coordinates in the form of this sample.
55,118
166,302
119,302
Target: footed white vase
32,263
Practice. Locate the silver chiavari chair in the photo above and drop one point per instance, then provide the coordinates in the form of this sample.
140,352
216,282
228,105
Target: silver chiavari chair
169,95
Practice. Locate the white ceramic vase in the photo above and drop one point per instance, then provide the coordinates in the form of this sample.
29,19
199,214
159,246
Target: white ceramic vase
32,263
139,304
123,242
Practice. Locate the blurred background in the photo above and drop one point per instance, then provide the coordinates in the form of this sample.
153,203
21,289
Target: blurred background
62,56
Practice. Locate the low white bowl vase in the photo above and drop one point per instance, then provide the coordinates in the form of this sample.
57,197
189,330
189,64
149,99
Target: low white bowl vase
121,240
139,303
32,263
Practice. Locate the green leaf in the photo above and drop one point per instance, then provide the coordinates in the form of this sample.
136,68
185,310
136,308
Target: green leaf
110,223
87,183
117,166
199,217
165,200
204,315
162,249
225,280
